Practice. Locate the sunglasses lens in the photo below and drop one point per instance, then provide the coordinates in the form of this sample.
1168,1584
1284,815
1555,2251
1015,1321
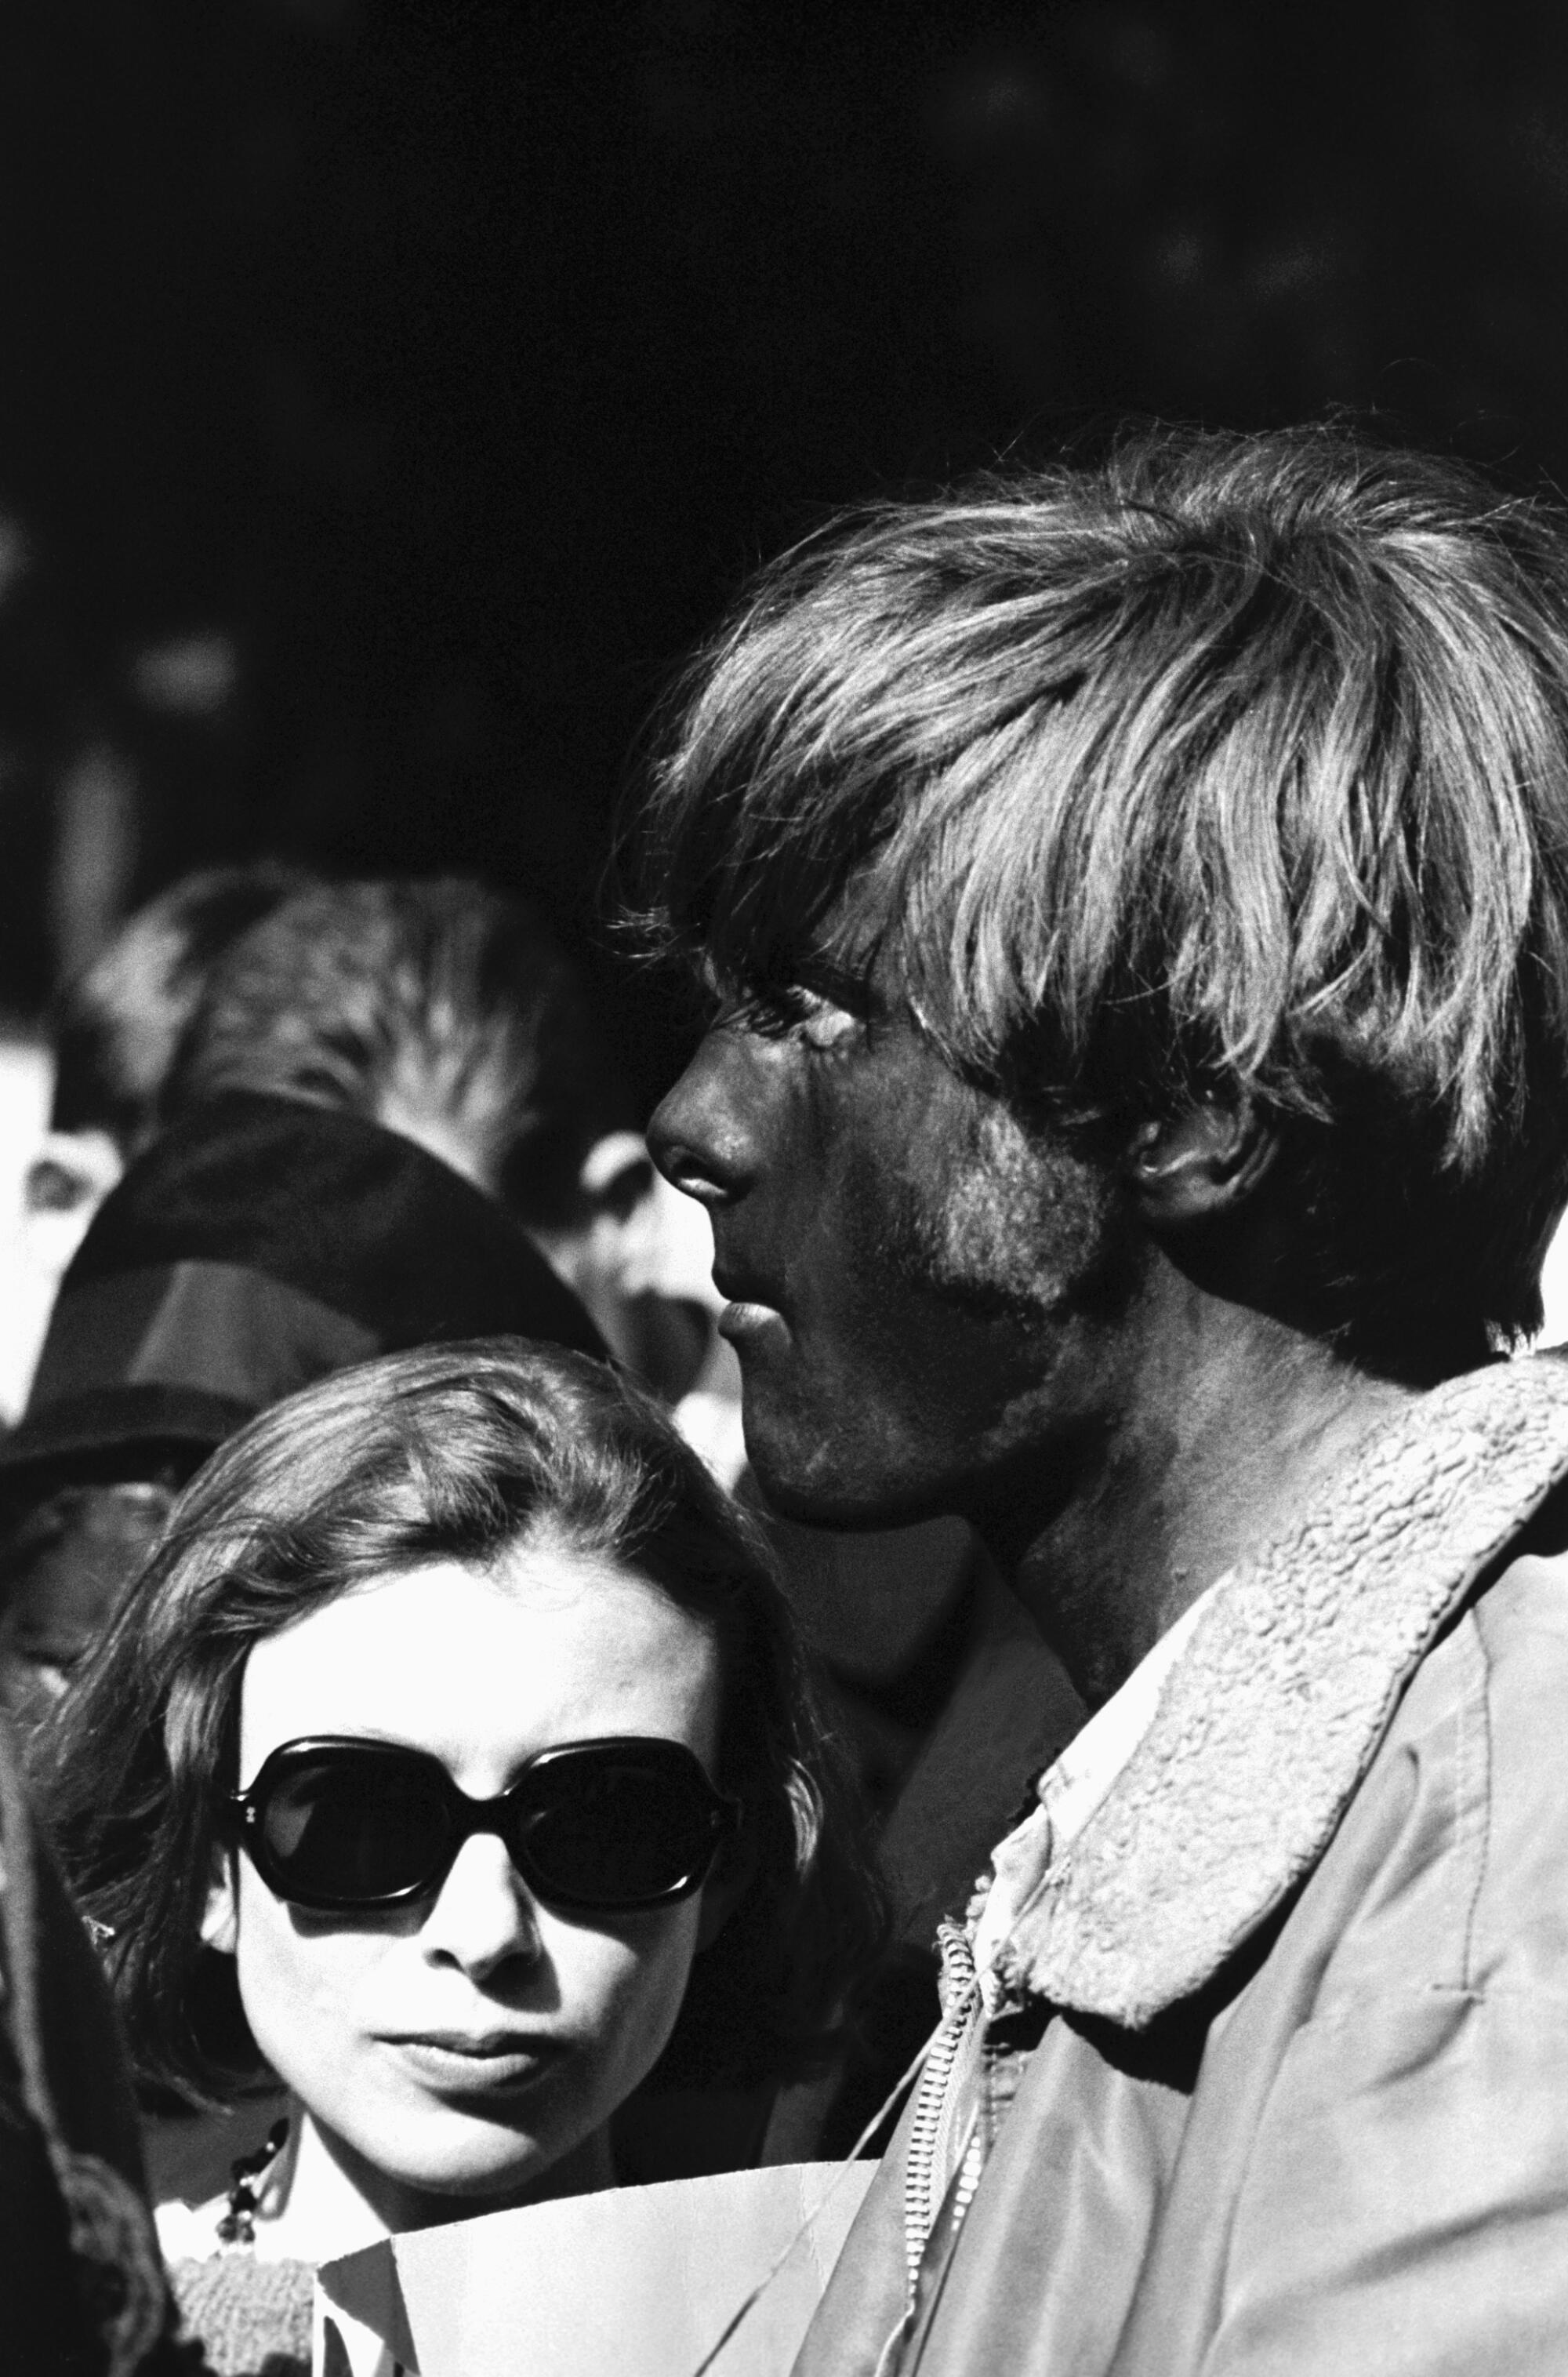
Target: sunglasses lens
608,1831
352,1831
338,1825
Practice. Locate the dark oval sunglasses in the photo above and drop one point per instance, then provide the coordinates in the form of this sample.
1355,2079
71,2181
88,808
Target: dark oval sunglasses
342,1826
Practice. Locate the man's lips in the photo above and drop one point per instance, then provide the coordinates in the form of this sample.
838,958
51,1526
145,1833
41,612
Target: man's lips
744,1319
752,1307
744,1316
743,1290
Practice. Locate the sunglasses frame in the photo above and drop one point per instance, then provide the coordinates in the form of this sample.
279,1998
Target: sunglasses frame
244,1813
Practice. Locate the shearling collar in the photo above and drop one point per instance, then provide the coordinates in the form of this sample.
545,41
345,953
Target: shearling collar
1268,1722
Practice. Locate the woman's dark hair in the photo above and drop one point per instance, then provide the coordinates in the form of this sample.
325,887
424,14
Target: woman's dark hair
456,1452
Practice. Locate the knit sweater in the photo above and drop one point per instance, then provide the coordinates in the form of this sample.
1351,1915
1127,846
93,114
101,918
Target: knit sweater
253,2316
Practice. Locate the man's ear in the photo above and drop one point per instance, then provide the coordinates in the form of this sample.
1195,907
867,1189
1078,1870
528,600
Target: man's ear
1202,1164
725,1888
220,1918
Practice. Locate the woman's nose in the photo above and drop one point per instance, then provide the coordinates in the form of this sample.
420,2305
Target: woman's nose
483,1916
706,1135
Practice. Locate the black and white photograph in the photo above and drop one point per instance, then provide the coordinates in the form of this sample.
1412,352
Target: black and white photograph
783,1154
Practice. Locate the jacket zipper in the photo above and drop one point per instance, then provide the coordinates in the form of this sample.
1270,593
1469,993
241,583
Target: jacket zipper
922,2192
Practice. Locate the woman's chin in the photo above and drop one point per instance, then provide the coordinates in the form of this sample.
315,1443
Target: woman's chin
458,2184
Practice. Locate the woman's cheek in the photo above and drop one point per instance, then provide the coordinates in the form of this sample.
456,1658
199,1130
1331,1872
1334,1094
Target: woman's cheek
319,2002
625,1990
301,1985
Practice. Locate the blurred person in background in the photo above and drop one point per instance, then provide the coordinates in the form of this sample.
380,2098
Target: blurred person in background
448,1012
257,1244
338,1073
111,1037
114,1029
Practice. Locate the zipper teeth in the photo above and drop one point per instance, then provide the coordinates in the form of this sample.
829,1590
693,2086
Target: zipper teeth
920,2208
969,2178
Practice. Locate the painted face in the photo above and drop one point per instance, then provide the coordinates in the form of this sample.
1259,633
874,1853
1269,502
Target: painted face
462,2045
923,1291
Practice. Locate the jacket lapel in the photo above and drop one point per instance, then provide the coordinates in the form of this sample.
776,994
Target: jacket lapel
1268,1724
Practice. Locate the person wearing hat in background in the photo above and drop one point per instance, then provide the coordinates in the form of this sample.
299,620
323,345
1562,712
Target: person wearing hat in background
421,1056
257,1245
452,1014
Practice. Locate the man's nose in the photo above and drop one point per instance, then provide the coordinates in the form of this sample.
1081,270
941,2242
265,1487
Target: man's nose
705,1134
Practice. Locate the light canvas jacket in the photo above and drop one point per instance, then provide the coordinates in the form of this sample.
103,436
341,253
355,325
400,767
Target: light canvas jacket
1288,2021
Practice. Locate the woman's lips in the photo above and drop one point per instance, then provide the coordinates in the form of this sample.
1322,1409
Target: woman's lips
458,2066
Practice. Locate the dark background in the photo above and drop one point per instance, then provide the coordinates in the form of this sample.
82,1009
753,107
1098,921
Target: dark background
436,370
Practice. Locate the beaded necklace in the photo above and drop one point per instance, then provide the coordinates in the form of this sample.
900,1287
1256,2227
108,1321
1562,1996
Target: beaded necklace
236,2229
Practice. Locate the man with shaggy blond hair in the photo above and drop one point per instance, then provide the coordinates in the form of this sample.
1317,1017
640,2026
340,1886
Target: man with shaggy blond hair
1136,906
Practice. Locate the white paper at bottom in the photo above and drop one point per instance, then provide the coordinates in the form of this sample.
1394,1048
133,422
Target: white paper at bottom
637,2281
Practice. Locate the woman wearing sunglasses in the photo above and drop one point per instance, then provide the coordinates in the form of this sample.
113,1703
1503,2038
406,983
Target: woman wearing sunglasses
452,1759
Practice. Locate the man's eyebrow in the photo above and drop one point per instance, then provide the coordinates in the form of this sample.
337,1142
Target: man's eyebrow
827,977
781,973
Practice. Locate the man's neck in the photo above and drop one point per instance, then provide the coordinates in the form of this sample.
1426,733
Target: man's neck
1232,1424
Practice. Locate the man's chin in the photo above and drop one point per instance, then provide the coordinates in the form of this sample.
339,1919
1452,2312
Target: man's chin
801,1483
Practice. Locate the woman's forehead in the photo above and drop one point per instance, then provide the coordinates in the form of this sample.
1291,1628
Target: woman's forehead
484,1665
